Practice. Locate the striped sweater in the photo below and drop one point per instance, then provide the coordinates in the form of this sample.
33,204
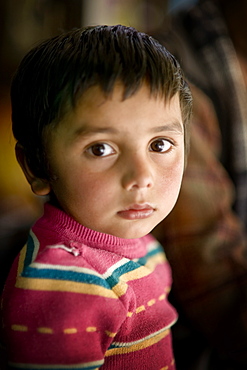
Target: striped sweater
79,299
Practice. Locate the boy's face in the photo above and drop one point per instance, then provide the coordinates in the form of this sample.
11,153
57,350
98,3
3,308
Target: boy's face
118,164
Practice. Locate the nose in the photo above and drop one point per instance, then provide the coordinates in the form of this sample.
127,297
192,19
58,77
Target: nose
138,173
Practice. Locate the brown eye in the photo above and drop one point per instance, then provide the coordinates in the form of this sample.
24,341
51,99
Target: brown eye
100,150
160,146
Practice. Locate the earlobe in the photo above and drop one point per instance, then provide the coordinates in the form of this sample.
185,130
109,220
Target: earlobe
39,186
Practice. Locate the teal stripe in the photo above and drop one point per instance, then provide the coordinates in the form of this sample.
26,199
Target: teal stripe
116,274
29,252
56,274
143,260
131,266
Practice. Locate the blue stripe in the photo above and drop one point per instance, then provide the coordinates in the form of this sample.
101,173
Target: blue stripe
131,266
127,267
29,252
143,260
56,274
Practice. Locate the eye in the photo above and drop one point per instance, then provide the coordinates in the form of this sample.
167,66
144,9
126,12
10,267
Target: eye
160,145
100,150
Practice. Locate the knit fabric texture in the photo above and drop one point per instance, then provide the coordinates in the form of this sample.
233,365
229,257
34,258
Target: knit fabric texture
79,299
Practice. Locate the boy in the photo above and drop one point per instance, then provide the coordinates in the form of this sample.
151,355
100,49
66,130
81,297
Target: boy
100,116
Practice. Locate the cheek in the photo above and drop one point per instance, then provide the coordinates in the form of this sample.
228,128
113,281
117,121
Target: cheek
171,180
91,188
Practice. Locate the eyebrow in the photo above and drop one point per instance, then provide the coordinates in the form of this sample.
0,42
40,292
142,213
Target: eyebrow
87,130
174,126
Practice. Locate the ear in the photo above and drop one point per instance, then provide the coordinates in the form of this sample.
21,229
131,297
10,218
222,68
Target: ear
39,186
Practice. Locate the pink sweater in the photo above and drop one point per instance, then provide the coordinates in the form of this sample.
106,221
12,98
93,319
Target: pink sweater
80,299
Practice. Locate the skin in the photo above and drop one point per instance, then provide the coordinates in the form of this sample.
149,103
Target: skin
116,165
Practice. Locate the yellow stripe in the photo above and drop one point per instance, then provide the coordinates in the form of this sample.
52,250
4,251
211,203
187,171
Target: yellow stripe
19,327
136,274
138,346
91,329
63,286
155,260
151,302
168,289
162,297
23,253
44,330
140,309
110,334
144,270
121,288
21,260
70,331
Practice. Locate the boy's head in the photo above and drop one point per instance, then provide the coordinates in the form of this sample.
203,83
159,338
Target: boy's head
100,116
55,74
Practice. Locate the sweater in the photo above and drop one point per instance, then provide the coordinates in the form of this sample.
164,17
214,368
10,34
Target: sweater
79,299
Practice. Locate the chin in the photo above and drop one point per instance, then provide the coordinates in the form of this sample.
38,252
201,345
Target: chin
134,234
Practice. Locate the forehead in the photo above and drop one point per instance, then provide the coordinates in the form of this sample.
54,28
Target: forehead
97,112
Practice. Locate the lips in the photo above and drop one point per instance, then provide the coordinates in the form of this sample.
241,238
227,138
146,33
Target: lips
137,212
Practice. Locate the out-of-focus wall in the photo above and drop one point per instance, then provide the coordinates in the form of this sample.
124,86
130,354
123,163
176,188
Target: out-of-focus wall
26,22
145,15
174,5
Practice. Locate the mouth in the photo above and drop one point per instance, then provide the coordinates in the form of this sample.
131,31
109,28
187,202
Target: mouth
137,212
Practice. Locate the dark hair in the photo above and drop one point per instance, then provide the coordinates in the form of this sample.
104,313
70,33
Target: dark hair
54,74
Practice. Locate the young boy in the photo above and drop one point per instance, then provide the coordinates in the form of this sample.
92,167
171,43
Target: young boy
100,116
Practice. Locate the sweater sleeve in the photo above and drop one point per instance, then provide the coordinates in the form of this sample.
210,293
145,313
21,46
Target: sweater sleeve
59,316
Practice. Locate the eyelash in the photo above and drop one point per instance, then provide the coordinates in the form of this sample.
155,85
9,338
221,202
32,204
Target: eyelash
101,146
